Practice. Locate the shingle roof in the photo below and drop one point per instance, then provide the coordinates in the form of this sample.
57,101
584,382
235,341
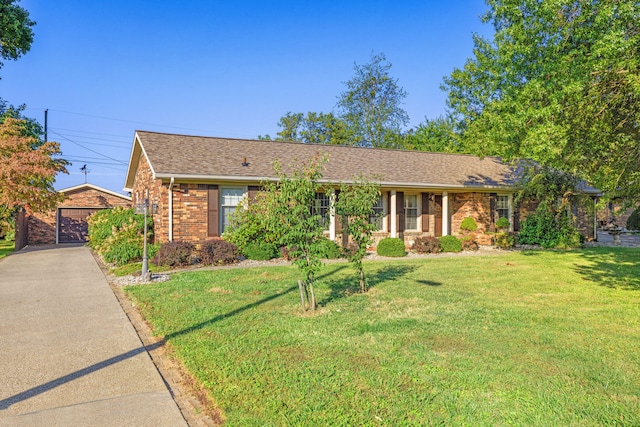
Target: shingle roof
206,158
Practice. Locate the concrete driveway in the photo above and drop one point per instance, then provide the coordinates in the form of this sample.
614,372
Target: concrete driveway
68,353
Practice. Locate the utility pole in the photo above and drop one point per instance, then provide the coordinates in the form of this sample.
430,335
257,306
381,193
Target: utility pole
46,114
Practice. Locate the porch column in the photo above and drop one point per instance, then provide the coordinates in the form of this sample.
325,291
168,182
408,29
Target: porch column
332,216
393,222
445,213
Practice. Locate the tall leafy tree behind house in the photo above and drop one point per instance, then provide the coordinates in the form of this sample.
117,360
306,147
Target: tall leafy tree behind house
370,112
559,82
372,104
16,34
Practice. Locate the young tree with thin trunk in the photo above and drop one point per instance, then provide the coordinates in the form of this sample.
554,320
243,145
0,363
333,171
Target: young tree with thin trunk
355,208
291,200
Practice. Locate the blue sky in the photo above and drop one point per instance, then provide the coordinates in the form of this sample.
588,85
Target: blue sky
219,68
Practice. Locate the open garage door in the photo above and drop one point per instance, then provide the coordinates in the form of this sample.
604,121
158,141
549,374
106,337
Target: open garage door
72,224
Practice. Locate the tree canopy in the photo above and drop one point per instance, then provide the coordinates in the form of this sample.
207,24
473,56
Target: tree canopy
27,168
16,34
559,82
372,104
369,112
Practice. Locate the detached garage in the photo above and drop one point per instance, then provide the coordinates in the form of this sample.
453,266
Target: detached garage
68,223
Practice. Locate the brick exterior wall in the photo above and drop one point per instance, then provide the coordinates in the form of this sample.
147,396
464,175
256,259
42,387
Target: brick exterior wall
145,186
190,213
42,226
476,206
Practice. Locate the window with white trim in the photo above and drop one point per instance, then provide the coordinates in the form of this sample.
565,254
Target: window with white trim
230,198
378,214
502,206
410,212
321,207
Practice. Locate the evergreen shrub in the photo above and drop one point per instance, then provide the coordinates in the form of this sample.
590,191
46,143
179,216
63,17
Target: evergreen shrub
633,222
260,251
450,244
392,247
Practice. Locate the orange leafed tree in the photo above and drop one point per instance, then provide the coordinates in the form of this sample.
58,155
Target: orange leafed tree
27,168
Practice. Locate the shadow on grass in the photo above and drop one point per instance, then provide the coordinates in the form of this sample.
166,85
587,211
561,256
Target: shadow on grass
617,268
350,285
42,388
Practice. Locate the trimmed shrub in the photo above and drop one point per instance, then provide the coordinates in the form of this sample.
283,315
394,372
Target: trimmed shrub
327,249
217,252
450,244
260,251
426,245
174,254
503,223
391,246
468,224
633,222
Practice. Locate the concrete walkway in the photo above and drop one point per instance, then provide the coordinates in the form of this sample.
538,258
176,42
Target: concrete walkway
68,354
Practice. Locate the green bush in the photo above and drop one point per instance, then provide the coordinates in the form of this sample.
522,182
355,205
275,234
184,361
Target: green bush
391,246
544,229
450,244
327,249
426,245
468,224
260,251
216,252
174,254
633,222
504,240
117,235
503,223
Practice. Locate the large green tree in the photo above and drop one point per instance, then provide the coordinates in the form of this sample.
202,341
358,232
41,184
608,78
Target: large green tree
372,104
16,34
559,82
314,128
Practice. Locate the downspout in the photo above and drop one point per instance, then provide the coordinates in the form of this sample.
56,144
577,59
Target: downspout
171,210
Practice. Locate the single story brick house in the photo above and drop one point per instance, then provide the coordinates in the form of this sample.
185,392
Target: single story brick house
198,181
67,223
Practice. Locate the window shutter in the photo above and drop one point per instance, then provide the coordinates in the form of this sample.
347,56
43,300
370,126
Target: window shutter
253,191
400,210
516,216
492,209
426,210
213,219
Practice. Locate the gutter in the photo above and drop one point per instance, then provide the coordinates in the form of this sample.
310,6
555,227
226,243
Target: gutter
171,210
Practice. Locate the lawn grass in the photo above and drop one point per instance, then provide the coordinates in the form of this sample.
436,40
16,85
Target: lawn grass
136,267
528,339
6,247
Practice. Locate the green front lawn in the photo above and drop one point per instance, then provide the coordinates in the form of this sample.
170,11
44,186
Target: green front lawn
6,247
525,339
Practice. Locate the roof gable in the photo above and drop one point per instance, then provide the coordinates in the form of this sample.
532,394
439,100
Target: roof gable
86,186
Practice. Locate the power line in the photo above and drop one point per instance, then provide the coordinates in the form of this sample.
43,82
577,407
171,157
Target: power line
129,121
88,149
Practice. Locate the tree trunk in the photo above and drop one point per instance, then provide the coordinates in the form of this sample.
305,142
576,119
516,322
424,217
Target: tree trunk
312,303
363,283
302,292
